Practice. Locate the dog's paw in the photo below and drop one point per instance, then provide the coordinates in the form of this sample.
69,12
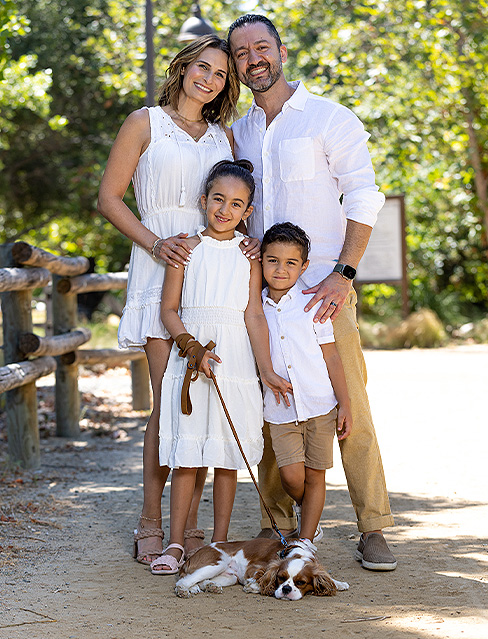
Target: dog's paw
180,591
252,586
341,585
209,586
185,593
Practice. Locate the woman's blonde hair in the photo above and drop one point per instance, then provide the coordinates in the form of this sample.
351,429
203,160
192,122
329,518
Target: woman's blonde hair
222,109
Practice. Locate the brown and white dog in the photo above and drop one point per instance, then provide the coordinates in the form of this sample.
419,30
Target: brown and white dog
262,566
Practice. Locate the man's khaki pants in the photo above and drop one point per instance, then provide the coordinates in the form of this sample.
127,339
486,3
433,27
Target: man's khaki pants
361,457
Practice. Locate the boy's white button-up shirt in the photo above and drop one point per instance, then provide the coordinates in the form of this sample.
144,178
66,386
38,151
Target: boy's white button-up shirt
312,152
296,355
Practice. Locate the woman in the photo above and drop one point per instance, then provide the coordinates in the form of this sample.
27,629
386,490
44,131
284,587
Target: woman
166,150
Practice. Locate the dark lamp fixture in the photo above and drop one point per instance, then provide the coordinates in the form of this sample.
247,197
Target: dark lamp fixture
194,27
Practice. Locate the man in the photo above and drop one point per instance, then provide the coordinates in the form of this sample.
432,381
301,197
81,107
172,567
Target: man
307,152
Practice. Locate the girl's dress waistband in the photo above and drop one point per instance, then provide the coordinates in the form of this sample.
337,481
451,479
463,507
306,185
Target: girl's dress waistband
215,315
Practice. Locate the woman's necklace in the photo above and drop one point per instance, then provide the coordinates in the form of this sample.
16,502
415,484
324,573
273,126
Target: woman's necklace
187,121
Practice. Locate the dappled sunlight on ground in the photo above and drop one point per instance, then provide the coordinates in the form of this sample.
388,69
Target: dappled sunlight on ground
65,536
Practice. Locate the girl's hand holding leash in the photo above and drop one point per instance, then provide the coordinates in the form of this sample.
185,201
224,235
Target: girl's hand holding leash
173,250
278,385
344,422
205,364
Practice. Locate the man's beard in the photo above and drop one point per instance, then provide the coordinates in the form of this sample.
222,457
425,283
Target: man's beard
261,85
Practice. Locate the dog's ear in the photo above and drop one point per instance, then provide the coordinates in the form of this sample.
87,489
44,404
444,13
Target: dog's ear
323,586
266,578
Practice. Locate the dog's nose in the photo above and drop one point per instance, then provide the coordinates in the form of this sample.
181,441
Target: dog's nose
286,590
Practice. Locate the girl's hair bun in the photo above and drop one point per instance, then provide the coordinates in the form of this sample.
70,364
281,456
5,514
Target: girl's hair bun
245,164
241,169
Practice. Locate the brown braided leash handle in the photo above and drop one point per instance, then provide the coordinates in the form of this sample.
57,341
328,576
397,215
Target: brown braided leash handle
185,342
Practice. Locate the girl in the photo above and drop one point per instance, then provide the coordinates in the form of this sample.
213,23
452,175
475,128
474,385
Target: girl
219,292
167,151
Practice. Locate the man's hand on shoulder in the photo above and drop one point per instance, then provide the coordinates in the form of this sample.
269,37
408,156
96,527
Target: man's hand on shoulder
333,291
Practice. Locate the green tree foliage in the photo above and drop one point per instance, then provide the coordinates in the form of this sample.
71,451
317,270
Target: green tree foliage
75,71
415,72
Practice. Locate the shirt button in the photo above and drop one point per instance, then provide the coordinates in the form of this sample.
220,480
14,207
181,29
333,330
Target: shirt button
268,207
282,337
279,310
266,180
289,365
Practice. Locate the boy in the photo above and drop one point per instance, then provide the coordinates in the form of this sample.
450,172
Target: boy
304,352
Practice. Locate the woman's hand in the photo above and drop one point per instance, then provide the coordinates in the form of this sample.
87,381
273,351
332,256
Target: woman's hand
173,250
278,385
251,248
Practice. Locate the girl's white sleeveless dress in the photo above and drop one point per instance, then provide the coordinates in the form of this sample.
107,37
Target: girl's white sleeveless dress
214,297
168,182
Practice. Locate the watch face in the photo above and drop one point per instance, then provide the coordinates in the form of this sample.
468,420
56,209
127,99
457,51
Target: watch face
349,272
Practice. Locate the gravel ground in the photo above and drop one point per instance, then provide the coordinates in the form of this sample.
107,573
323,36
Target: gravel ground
65,529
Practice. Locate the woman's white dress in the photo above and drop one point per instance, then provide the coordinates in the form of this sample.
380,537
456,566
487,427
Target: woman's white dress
214,297
168,182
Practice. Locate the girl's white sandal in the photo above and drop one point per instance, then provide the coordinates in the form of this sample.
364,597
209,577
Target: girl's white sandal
168,560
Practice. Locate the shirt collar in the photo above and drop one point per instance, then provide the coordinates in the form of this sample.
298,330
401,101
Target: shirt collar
299,98
296,101
293,292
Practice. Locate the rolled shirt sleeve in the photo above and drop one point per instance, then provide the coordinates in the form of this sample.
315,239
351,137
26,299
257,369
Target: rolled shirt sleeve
350,164
324,332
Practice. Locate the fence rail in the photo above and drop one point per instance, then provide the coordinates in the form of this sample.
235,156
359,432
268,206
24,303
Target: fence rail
28,357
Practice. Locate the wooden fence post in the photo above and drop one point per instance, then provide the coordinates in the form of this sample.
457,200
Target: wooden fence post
21,402
67,395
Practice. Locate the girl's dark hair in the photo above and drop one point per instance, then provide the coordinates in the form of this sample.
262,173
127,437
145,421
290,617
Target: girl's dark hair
240,169
222,109
252,18
287,233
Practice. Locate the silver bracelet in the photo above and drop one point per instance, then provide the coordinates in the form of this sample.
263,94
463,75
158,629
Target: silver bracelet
160,239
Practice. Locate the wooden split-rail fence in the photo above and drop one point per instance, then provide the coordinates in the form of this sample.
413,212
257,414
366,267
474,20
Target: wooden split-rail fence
28,356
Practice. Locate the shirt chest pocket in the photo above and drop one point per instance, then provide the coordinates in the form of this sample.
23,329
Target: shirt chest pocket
297,159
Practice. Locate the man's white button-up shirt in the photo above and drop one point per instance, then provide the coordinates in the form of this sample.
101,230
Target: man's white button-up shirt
313,152
295,340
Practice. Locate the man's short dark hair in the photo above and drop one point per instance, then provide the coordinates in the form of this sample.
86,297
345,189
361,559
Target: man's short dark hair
253,18
287,233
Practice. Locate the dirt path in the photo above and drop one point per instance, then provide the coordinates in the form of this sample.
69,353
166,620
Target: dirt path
65,530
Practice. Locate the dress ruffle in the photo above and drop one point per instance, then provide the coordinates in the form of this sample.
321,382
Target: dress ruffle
140,322
183,442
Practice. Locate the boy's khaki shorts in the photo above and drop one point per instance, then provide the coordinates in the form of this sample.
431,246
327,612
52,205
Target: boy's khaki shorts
308,442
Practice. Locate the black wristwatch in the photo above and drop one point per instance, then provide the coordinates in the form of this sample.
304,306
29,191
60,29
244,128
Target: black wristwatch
347,272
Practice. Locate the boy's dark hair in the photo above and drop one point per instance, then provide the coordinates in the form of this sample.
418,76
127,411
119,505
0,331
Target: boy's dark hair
252,18
240,169
287,233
